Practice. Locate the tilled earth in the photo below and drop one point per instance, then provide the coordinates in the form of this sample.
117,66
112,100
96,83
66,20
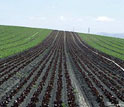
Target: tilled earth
62,71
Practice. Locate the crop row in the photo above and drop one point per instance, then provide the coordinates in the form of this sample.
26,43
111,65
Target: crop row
41,76
106,88
37,87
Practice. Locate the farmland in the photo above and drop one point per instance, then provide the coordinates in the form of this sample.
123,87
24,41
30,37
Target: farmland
61,71
108,45
17,39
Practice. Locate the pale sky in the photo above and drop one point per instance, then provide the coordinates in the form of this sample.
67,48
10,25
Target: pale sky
99,15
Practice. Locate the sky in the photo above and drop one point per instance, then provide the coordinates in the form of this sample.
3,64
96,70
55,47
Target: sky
77,15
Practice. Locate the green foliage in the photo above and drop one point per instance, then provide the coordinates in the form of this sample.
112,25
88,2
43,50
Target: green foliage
109,45
64,105
15,39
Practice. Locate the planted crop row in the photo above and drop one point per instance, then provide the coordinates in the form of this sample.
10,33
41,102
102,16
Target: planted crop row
42,76
36,88
104,87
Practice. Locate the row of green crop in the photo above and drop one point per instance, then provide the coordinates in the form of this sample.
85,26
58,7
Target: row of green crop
23,39
105,44
112,41
111,44
97,41
15,32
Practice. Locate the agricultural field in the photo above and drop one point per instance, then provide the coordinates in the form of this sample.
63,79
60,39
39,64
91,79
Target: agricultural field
61,71
108,45
17,39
